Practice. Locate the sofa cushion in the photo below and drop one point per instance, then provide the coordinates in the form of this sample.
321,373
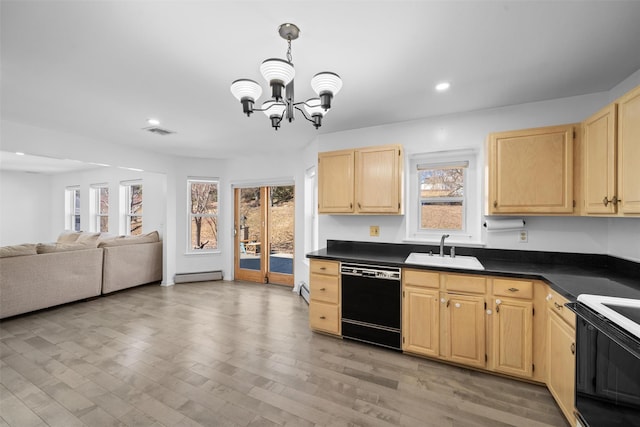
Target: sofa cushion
47,248
89,238
130,240
68,236
18,250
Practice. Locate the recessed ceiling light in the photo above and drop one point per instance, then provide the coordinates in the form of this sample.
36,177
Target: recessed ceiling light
18,153
441,87
153,122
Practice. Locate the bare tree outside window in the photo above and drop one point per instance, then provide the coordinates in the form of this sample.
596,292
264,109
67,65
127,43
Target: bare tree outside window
102,214
203,214
441,197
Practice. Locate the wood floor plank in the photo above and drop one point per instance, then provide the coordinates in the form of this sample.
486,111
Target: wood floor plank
233,354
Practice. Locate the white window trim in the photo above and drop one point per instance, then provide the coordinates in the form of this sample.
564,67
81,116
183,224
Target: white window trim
125,215
189,249
472,233
94,203
70,215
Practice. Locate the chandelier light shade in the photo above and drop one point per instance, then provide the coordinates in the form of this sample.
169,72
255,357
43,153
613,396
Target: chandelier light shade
275,111
279,73
326,85
247,92
315,111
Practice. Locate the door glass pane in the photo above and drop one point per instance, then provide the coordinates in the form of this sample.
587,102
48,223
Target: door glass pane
250,238
281,220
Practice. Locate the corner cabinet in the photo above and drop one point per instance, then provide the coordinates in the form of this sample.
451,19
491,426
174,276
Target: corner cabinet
361,181
325,297
531,171
561,336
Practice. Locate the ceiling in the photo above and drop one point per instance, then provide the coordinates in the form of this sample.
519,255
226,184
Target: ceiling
99,69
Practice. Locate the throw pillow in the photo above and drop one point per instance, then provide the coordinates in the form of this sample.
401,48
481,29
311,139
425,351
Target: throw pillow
18,250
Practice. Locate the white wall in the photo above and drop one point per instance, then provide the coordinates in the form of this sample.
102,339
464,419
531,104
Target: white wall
25,208
469,130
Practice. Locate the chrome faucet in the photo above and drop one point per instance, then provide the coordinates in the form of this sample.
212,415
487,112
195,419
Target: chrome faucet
444,236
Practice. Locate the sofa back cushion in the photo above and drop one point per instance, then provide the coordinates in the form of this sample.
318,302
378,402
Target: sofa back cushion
18,250
68,236
130,240
47,248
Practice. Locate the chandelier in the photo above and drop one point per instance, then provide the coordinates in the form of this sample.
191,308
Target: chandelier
279,74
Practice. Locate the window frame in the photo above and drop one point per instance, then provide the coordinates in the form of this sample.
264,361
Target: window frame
189,247
96,214
73,219
471,233
126,214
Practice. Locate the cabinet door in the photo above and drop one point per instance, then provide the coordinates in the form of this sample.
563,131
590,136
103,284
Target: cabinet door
513,337
599,145
378,179
421,322
561,364
464,329
335,181
531,171
629,152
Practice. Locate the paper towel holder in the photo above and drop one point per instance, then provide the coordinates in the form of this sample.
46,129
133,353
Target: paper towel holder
504,224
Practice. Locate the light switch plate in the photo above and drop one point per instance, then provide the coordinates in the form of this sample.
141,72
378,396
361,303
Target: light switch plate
523,237
374,231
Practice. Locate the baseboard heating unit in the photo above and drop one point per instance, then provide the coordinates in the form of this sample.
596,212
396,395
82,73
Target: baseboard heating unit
304,292
204,276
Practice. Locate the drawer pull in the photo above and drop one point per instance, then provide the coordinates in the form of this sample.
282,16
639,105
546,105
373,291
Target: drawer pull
323,289
573,348
558,306
323,268
514,289
322,317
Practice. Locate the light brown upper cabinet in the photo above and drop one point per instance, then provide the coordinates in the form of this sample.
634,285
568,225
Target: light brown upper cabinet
361,181
611,158
531,171
629,152
599,148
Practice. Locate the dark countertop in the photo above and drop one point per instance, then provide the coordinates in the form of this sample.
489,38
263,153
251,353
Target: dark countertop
570,274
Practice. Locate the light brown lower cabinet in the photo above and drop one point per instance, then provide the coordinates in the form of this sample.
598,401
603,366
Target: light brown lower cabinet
324,302
513,337
421,321
463,339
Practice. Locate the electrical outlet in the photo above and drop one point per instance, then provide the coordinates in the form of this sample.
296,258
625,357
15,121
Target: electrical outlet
523,237
374,230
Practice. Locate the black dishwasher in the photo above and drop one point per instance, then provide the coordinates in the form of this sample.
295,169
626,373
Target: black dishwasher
371,304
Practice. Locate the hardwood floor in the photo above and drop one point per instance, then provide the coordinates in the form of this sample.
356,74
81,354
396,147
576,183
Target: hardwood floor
232,354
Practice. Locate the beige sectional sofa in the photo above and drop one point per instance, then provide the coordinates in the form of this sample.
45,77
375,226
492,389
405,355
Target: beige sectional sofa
76,267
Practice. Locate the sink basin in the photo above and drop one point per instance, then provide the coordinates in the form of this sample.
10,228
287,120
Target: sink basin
463,262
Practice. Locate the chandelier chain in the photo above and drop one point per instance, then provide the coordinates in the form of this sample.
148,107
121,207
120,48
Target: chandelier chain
289,57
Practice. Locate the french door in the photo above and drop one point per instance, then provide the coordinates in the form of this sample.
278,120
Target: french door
264,234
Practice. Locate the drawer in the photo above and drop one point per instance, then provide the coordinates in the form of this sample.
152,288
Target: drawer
426,279
556,303
464,283
324,317
325,267
513,288
324,288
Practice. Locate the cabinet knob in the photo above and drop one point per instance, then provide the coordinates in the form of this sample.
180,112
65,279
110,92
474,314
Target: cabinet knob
489,311
457,305
442,300
498,301
495,203
549,297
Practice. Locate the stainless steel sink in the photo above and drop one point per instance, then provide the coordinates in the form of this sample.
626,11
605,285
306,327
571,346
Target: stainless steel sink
463,262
